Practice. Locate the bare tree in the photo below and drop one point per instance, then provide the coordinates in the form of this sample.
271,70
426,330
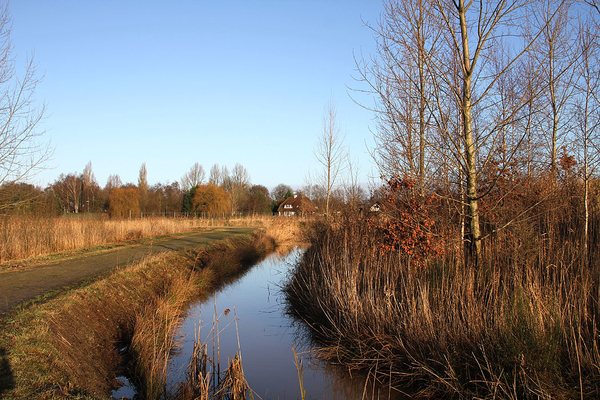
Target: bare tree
452,61
69,189
400,79
594,4
225,178
215,175
472,31
219,175
557,60
194,177
588,115
353,192
113,182
239,186
21,151
90,187
330,152
281,191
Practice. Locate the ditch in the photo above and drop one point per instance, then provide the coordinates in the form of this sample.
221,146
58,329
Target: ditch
250,317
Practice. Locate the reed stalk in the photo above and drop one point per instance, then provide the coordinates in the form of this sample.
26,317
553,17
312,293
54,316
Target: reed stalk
300,370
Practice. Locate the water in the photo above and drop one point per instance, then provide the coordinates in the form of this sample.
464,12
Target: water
126,391
266,336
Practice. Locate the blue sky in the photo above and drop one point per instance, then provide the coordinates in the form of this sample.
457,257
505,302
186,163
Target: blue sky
178,82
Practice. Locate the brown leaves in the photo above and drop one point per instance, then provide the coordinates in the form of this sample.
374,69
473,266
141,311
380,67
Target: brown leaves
406,225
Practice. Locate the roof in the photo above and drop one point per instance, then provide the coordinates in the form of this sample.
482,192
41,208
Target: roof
298,204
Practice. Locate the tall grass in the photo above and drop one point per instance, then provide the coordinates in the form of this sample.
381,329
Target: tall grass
69,346
205,378
25,237
517,327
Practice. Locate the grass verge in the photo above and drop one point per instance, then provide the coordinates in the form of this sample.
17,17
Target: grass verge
68,347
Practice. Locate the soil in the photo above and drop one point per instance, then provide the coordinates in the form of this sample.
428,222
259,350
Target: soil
33,280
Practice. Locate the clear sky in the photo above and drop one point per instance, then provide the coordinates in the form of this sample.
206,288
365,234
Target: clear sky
171,83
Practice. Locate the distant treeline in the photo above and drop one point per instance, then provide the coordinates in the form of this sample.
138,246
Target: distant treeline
222,192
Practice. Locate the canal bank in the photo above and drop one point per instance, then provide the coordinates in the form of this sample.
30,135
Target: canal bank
249,319
68,347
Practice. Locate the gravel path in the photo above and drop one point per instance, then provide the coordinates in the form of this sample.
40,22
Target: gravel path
22,284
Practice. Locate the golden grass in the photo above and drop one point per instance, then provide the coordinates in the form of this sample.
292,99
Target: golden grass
68,347
516,331
28,237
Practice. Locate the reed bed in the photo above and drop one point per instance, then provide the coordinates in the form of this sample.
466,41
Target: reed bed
288,232
524,329
26,237
205,379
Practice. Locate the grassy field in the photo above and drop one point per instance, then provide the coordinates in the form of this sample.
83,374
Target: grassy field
27,237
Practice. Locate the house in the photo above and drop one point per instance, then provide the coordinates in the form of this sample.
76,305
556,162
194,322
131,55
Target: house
297,205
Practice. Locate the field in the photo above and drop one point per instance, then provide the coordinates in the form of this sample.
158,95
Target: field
28,237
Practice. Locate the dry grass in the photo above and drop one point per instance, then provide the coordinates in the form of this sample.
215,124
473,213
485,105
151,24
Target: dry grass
520,330
68,347
287,231
27,237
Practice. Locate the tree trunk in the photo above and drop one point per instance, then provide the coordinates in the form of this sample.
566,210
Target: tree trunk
473,239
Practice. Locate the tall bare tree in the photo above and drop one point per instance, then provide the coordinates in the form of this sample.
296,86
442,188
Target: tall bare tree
214,176
588,115
557,56
406,34
461,74
113,182
143,187
353,191
194,177
69,189
239,184
90,187
472,32
330,152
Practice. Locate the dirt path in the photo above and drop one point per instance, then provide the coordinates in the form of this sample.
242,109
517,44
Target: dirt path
19,285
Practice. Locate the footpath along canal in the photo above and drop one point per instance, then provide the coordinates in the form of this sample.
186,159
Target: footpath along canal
21,282
252,320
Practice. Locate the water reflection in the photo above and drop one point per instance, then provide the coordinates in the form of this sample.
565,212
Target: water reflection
265,336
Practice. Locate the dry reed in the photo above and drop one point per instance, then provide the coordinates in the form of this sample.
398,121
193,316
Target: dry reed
26,237
204,379
514,330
